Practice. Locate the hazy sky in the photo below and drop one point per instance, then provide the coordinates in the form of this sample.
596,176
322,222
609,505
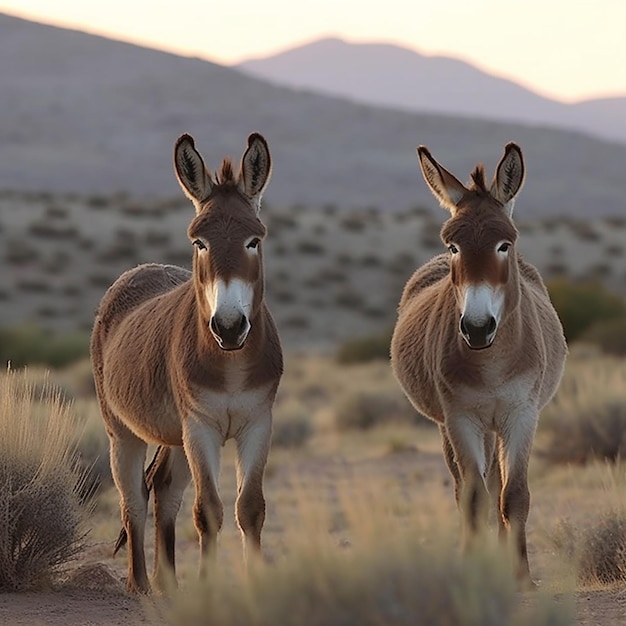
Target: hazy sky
561,48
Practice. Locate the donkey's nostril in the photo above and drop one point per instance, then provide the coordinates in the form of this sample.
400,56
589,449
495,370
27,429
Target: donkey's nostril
492,326
243,324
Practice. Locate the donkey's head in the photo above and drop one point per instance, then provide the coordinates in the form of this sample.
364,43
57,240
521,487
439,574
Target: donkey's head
480,237
227,235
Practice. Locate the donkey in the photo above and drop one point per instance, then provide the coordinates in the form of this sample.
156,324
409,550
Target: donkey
187,360
479,348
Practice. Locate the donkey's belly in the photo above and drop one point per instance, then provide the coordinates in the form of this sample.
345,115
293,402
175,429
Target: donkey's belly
157,423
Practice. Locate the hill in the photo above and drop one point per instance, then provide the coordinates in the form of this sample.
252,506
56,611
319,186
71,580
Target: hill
393,76
80,113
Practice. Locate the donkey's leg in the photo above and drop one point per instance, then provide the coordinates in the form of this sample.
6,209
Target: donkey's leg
128,454
494,480
467,440
448,454
171,477
516,443
202,445
253,445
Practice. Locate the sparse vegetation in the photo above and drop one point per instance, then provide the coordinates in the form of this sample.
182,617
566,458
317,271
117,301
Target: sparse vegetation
587,418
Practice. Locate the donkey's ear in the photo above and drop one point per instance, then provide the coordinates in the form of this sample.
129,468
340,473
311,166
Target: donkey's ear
256,169
509,177
191,173
445,187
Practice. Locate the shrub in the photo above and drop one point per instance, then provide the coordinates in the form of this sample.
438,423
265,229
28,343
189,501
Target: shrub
363,410
41,517
609,336
364,349
587,419
598,550
349,299
292,428
581,305
310,247
48,230
30,345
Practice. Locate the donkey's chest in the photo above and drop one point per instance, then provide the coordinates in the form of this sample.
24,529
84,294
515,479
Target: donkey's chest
230,411
497,398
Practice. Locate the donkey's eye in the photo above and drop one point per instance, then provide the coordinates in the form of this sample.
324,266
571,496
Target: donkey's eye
199,244
253,243
453,249
504,247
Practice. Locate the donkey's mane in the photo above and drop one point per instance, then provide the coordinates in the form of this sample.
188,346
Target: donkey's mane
226,173
478,179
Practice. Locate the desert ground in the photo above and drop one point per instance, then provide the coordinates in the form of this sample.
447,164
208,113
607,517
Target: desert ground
339,483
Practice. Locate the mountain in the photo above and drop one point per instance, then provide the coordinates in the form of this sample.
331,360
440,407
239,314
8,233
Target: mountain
81,113
392,76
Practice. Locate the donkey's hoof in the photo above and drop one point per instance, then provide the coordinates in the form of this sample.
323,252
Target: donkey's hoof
135,588
527,584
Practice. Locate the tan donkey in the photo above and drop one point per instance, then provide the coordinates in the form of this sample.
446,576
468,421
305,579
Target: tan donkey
478,347
187,360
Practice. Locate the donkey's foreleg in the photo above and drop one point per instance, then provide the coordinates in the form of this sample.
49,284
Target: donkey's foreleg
202,445
170,478
448,455
516,445
253,445
494,479
128,454
467,440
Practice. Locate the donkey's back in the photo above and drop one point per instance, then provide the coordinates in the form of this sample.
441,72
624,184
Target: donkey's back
136,287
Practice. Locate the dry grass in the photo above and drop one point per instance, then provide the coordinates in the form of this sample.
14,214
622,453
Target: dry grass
362,526
587,419
41,526
351,563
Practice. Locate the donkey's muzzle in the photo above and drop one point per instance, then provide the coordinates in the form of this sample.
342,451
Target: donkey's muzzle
231,335
478,336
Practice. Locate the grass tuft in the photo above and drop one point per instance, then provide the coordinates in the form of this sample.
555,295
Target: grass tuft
41,515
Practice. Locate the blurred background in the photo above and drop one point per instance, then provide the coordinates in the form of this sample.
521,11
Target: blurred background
93,99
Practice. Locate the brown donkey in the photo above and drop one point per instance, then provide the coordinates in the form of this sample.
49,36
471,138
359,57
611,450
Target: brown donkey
478,347
187,360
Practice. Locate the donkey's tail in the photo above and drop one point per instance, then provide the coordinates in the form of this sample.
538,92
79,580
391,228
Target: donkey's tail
157,465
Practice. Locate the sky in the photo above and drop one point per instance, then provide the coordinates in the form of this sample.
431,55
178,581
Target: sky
563,49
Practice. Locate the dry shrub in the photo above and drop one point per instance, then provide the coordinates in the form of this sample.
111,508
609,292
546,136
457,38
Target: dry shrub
362,410
41,515
583,305
599,550
364,349
609,336
293,426
587,419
